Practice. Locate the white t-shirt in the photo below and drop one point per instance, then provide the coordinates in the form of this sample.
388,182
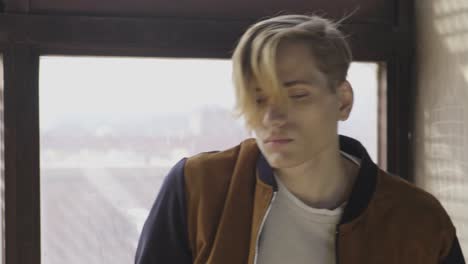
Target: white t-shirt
297,233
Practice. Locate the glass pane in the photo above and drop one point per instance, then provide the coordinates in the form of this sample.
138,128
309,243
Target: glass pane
363,77
110,129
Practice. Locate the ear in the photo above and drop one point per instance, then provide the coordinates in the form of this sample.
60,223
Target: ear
345,100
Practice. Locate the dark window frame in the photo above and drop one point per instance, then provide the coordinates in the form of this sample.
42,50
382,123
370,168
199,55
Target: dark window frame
24,38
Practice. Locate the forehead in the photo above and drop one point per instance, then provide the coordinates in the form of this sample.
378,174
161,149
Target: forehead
294,59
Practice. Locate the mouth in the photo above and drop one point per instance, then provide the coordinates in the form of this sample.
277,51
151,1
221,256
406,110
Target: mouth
276,139
278,143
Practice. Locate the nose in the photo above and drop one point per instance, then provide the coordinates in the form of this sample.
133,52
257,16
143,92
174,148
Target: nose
274,116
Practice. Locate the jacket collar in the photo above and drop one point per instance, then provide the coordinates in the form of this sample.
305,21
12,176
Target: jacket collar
363,187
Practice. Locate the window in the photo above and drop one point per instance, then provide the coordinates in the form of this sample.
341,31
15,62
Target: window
110,129
364,78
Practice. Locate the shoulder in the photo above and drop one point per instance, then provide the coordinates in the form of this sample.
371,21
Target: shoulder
413,205
214,169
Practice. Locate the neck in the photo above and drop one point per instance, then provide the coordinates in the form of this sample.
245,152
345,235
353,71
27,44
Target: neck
323,181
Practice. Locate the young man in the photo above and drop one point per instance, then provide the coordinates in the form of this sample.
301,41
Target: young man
298,192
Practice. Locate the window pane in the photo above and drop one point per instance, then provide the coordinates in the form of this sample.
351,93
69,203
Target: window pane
111,128
364,80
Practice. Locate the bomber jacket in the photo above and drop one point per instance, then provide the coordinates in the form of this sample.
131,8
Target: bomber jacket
212,206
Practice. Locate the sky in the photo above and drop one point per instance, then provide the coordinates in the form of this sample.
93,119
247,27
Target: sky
83,87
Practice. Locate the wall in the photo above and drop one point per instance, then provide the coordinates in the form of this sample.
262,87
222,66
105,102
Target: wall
441,121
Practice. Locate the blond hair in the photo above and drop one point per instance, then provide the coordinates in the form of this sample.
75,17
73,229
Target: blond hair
254,59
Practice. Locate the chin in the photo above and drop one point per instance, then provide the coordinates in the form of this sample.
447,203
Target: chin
278,161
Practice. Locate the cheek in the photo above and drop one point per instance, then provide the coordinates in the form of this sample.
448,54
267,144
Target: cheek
314,118
314,112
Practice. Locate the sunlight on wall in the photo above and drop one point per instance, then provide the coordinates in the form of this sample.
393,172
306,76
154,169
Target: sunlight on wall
441,136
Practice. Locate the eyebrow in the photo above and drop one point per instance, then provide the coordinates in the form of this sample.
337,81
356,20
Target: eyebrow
292,83
295,82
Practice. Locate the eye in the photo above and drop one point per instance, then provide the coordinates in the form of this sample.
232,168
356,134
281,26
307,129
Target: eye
298,95
260,100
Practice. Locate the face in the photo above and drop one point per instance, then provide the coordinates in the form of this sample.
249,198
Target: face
310,121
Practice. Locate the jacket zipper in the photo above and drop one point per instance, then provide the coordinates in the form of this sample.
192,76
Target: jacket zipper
337,232
261,226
